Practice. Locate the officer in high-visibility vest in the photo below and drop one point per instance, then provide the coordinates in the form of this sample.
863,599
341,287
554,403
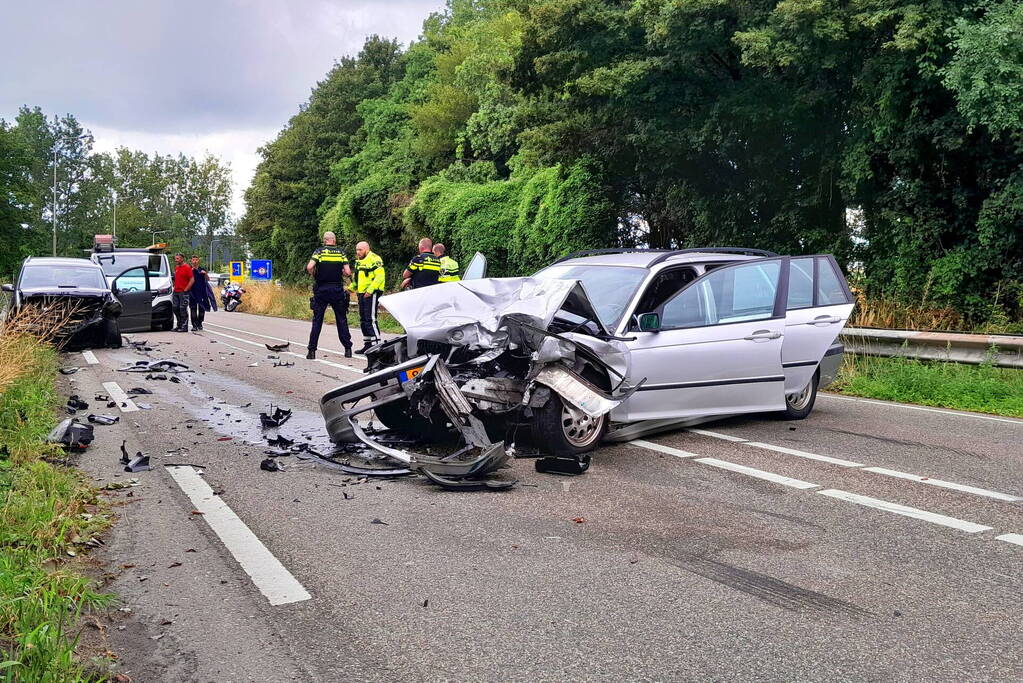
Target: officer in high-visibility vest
369,285
329,267
424,268
448,265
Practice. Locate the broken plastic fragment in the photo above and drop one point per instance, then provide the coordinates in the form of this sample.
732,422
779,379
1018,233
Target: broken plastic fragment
74,403
271,465
69,371
136,391
277,348
104,419
274,419
72,435
140,463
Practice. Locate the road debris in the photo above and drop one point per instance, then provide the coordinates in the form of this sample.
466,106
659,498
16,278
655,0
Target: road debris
271,465
71,435
68,371
150,366
138,391
159,377
377,520
104,419
74,403
277,348
275,418
284,364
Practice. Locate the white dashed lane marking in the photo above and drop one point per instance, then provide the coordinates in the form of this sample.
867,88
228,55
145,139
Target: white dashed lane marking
268,574
944,484
804,454
349,368
116,393
650,445
892,404
1017,539
906,511
290,341
759,474
90,357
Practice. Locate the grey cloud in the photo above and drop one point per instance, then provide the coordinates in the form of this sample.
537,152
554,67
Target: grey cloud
185,66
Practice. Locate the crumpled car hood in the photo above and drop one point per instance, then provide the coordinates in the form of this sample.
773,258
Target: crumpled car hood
474,313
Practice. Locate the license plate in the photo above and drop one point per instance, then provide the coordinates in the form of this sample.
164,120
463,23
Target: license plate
406,375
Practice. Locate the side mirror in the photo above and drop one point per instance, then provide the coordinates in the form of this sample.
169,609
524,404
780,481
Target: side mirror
8,288
649,322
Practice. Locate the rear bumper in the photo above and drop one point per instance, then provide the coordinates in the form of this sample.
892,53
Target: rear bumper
830,363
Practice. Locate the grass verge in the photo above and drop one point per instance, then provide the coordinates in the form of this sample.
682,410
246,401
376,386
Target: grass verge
288,301
47,513
977,388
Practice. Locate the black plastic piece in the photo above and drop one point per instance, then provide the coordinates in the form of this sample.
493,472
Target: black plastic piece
568,466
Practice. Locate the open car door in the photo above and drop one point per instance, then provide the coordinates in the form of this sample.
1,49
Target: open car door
477,267
714,348
133,290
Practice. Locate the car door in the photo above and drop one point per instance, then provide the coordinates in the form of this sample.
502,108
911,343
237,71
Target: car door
477,267
718,347
818,306
132,289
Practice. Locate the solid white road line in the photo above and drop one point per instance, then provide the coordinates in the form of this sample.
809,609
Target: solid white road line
650,445
90,357
290,341
804,454
717,435
925,409
349,368
759,474
117,394
1011,538
906,511
270,576
944,484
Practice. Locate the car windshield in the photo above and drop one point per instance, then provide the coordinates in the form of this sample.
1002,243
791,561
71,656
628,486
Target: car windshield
609,288
117,262
64,277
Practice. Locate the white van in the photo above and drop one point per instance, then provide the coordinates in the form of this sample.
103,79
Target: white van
115,260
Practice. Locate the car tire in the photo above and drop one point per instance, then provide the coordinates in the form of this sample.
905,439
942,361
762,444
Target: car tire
164,325
562,431
397,416
231,305
799,405
111,334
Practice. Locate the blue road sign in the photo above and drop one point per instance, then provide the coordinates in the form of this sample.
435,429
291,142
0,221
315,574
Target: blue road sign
236,268
261,269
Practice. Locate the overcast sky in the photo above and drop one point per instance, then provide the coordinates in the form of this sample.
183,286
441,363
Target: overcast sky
187,76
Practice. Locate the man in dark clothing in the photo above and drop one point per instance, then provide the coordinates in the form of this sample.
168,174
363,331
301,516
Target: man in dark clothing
183,280
423,270
329,266
199,295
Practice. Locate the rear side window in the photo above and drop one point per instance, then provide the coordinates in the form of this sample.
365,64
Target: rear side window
800,283
830,290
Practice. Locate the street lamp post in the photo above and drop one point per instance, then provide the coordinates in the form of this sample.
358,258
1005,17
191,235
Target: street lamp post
209,263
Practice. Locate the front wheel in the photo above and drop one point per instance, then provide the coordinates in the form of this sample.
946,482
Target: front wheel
563,430
799,404
231,305
111,334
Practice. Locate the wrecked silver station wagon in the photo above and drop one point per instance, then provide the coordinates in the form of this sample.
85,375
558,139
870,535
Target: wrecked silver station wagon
606,345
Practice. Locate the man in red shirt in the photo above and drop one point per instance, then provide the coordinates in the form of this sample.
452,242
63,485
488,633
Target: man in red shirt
184,278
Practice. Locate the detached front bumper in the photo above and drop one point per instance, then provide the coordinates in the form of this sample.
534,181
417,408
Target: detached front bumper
480,457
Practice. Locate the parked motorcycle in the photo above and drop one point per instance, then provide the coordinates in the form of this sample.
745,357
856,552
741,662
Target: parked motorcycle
231,297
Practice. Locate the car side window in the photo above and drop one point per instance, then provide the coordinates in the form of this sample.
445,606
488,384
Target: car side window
735,294
800,283
664,286
829,285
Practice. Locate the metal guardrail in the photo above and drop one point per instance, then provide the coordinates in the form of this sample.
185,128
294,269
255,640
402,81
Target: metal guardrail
1002,350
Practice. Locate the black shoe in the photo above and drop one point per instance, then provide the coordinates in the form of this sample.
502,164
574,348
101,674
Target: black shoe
181,329
311,355
366,347
348,352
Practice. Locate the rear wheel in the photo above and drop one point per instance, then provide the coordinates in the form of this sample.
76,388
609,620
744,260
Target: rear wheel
800,404
563,430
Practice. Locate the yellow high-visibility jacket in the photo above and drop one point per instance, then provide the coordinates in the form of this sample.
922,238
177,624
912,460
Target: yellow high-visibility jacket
369,274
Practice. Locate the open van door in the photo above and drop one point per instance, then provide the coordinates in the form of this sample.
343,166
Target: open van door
133,290
477,267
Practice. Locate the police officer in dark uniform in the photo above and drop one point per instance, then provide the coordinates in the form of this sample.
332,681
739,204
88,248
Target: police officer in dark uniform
329,266
423,270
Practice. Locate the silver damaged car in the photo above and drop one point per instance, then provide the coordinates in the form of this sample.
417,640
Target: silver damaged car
608,345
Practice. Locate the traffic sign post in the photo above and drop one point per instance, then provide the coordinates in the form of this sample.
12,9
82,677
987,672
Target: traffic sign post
261,269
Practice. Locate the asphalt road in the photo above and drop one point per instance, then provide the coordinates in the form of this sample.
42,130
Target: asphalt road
657,564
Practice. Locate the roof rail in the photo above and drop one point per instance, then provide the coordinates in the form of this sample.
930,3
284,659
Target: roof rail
616,250
666,254
713,250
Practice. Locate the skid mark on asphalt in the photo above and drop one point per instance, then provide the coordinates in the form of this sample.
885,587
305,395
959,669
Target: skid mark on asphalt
900,442
944,484
268,574
769,589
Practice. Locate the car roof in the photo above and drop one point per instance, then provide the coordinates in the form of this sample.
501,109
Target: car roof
643,259
59,261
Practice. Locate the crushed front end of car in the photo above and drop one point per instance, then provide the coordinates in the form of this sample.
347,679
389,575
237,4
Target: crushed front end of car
72,320
503,366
